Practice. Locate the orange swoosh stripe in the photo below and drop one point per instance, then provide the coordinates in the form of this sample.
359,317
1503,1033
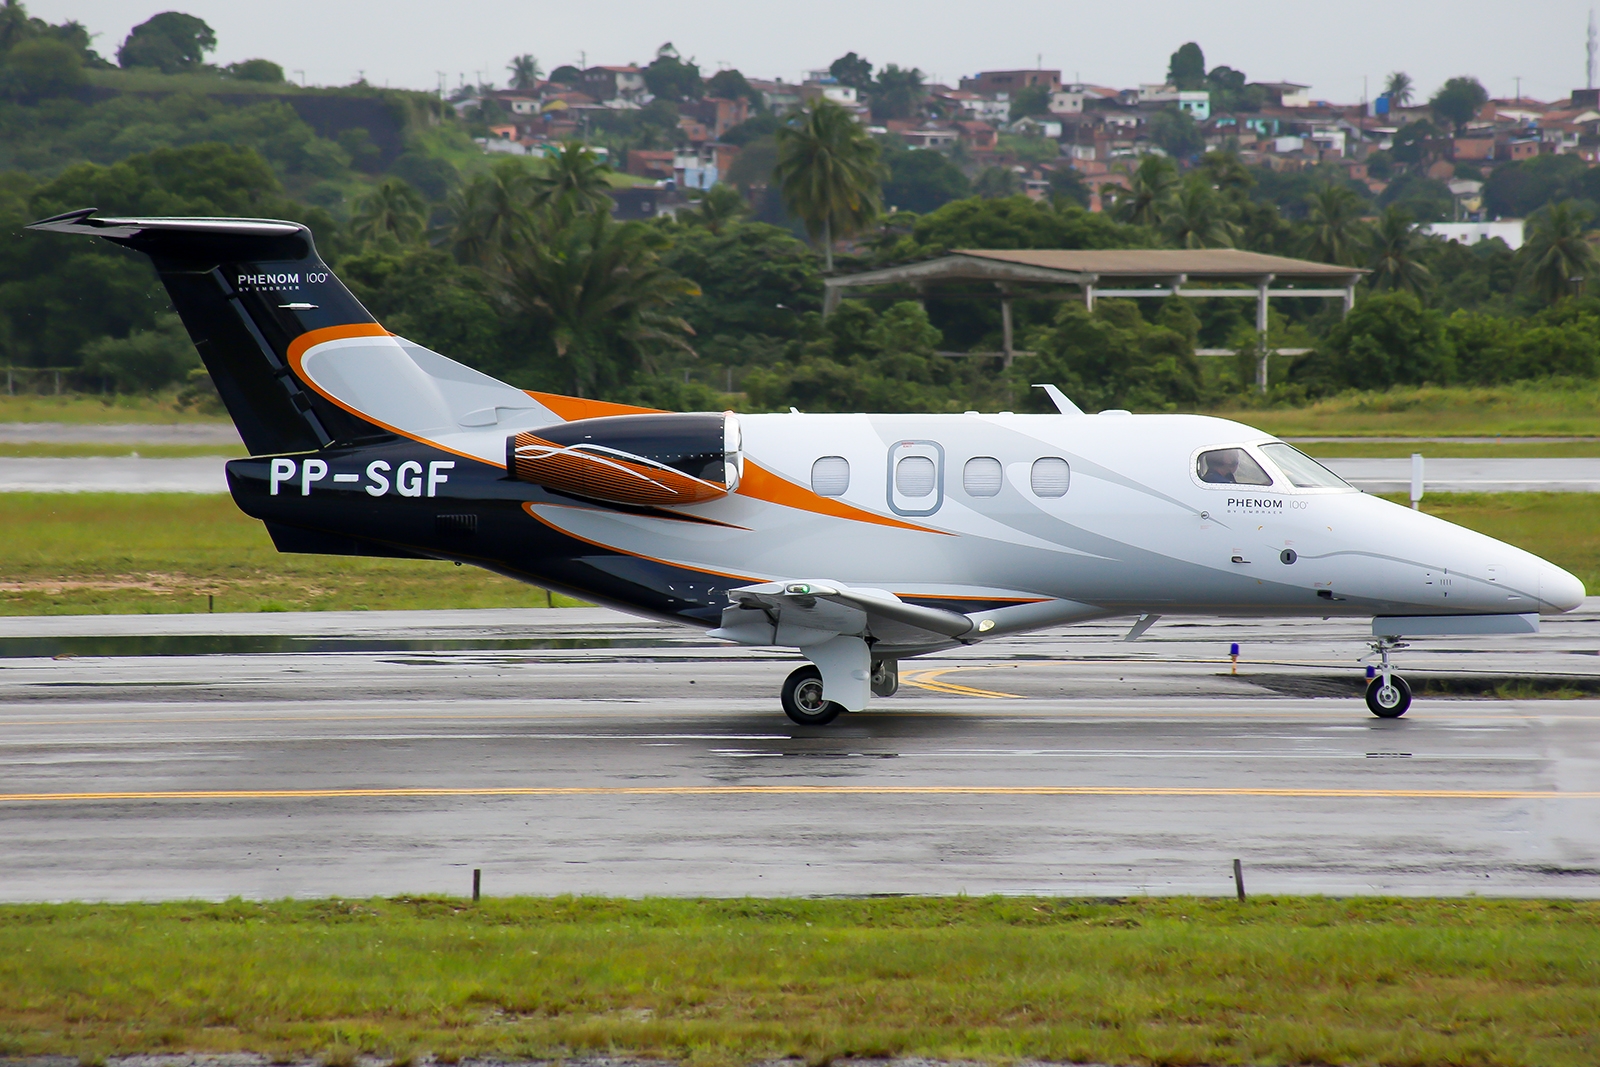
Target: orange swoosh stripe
571,408
761,484
311,338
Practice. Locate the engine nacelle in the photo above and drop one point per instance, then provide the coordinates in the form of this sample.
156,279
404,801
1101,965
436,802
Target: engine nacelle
647,460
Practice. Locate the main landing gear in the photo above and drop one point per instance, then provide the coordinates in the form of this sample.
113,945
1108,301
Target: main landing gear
803,701
806,704
1388,695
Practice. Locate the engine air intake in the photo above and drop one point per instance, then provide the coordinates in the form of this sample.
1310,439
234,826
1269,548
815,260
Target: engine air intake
650,460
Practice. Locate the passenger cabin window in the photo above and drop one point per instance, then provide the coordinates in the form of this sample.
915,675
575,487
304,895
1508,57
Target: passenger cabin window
982,476
1303,471
914,476
830,476
1230,466
1049,476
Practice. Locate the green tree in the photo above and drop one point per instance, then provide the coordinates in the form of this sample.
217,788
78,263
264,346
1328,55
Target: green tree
755,280
1153,185
995,183
1397,250
43,67
393,211
1389,339
1458,102
255,70
1398,88
731,85
1556,256
1113,358
1198,218
491,215
1030,100
719,208
143,361
829,172
852,70
670,78
598,291
922,181
897,93
1066,187
575,177
1014,222
524,71
1187,69
1176,132
171,41
1336,233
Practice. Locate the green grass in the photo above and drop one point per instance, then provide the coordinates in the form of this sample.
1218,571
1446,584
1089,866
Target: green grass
133,553
148,451
1529,409
1507,448
80,408
1155,981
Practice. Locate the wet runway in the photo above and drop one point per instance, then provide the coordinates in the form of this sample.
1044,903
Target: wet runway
583,751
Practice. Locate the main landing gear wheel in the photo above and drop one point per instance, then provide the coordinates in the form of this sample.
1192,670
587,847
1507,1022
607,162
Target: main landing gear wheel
1388,700
803,701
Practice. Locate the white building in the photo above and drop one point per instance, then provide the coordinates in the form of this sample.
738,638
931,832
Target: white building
1470,233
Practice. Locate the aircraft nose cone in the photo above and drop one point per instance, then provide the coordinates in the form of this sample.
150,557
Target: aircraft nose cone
1558,590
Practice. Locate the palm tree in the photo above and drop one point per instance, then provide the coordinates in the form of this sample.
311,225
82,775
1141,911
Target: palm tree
829,173
599,289
1153,186
525,72
720,207
393,209
491,215
1337,233
1397,87
576,178
1396,247
1197,218
1555,256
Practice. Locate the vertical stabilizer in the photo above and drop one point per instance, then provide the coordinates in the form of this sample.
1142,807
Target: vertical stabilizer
246,290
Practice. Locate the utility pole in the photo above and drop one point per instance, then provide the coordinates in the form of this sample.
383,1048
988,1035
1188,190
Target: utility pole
1519,88
1592,45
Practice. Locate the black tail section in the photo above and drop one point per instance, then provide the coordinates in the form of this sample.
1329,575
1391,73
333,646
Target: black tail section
246,289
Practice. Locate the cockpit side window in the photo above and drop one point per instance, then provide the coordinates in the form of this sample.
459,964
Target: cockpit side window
1230,466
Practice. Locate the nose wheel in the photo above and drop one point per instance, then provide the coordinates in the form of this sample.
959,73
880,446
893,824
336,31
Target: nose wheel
1388,699
803,700
1388,695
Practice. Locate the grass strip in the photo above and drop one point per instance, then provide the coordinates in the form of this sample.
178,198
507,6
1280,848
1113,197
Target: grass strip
1156,981
138,553
1525,409
86,450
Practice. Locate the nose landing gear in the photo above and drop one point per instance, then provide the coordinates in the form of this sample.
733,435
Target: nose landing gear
1388,695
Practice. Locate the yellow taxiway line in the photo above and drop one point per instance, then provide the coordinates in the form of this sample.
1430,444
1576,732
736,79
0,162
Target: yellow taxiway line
928,679
423,792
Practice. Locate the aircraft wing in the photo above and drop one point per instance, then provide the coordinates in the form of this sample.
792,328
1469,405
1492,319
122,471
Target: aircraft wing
809,612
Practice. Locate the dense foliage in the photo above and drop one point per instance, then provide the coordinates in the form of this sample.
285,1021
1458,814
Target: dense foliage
515,266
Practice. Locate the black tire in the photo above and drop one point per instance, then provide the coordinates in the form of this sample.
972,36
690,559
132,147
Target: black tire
1391,704
803,701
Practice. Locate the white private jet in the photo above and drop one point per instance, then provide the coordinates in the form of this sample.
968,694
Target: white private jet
857,539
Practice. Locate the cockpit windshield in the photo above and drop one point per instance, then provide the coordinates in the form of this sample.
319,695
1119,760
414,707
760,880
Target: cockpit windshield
1302,471
1230,466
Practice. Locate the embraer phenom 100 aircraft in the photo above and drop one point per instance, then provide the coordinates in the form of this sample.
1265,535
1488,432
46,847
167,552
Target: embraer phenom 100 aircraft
857,539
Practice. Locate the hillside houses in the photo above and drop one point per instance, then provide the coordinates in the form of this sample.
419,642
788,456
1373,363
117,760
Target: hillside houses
1035,124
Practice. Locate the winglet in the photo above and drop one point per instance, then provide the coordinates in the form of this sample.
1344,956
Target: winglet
1059,399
